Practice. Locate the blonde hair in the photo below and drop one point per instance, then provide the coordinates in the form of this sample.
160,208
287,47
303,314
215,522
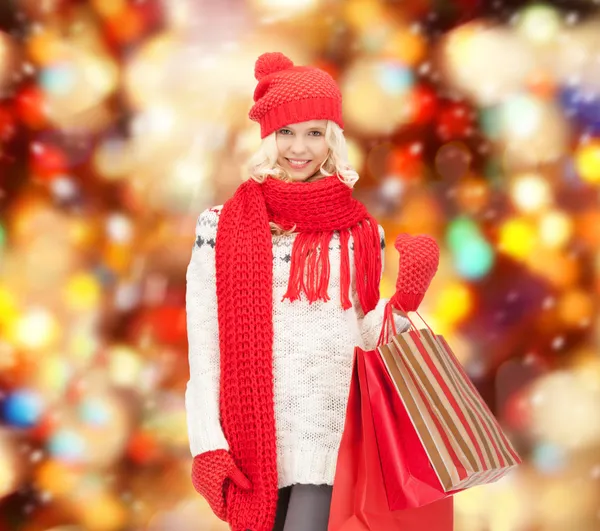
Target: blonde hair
264,163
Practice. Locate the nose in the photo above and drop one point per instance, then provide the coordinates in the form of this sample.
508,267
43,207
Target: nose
298,146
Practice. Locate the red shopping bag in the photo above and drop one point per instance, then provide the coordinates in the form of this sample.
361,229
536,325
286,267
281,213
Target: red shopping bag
410,480
359,501
435,434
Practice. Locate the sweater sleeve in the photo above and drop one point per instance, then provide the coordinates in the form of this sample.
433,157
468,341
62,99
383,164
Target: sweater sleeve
370,324
202,391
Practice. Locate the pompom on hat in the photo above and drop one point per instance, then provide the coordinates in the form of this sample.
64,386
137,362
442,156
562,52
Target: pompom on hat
288,94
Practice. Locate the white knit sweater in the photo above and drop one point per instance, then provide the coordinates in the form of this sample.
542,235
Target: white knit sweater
313,348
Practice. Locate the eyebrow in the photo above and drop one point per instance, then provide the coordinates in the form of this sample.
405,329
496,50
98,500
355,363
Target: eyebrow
315,128
319,127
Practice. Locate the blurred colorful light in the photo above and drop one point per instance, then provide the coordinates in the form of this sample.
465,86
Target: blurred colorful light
52,375
474,258
23,408
461,229
406,45
576,308
125,367
587,161
102,512
376,95
563,404
59,78
549,458
531,192
521,115
555,228
468,52
35,328
539,23
67,446
10,467
108,8
517,238
283,8
82,292
473,195
94,412
56,478
364,13
454,303
394,78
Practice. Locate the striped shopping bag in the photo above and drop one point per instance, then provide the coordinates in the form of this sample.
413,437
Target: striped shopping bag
421,395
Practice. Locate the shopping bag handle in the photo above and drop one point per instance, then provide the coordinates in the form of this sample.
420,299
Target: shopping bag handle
388,323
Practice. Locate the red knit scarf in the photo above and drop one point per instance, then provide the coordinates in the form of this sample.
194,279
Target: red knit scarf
244,279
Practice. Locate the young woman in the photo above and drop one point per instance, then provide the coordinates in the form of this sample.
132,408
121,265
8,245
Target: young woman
283,282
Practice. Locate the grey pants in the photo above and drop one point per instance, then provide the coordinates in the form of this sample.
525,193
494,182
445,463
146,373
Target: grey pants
303,508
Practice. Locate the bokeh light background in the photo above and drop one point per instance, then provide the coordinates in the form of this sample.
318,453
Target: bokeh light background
120,121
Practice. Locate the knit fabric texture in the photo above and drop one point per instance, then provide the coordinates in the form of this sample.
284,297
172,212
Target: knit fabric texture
313,345
419,261
212,473
244,280
288,94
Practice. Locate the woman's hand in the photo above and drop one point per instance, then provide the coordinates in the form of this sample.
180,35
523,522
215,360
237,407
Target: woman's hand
419,261
210,473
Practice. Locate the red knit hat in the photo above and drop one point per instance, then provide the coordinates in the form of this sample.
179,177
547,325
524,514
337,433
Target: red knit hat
288,94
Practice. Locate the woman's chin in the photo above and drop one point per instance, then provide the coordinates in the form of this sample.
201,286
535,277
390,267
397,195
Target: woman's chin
301,175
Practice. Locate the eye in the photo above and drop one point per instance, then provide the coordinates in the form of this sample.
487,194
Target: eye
316,133
285,132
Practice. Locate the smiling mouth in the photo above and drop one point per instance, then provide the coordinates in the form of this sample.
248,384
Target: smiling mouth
298,163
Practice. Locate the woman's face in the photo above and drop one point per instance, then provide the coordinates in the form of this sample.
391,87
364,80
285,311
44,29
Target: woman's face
302,148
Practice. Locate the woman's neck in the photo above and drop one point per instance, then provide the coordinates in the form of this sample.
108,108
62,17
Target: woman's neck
315,177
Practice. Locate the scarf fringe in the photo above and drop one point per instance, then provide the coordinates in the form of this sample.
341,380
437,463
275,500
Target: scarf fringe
345,270
310,265
367,262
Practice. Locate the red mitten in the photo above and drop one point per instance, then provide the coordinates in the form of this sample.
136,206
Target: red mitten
210,473
419,260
